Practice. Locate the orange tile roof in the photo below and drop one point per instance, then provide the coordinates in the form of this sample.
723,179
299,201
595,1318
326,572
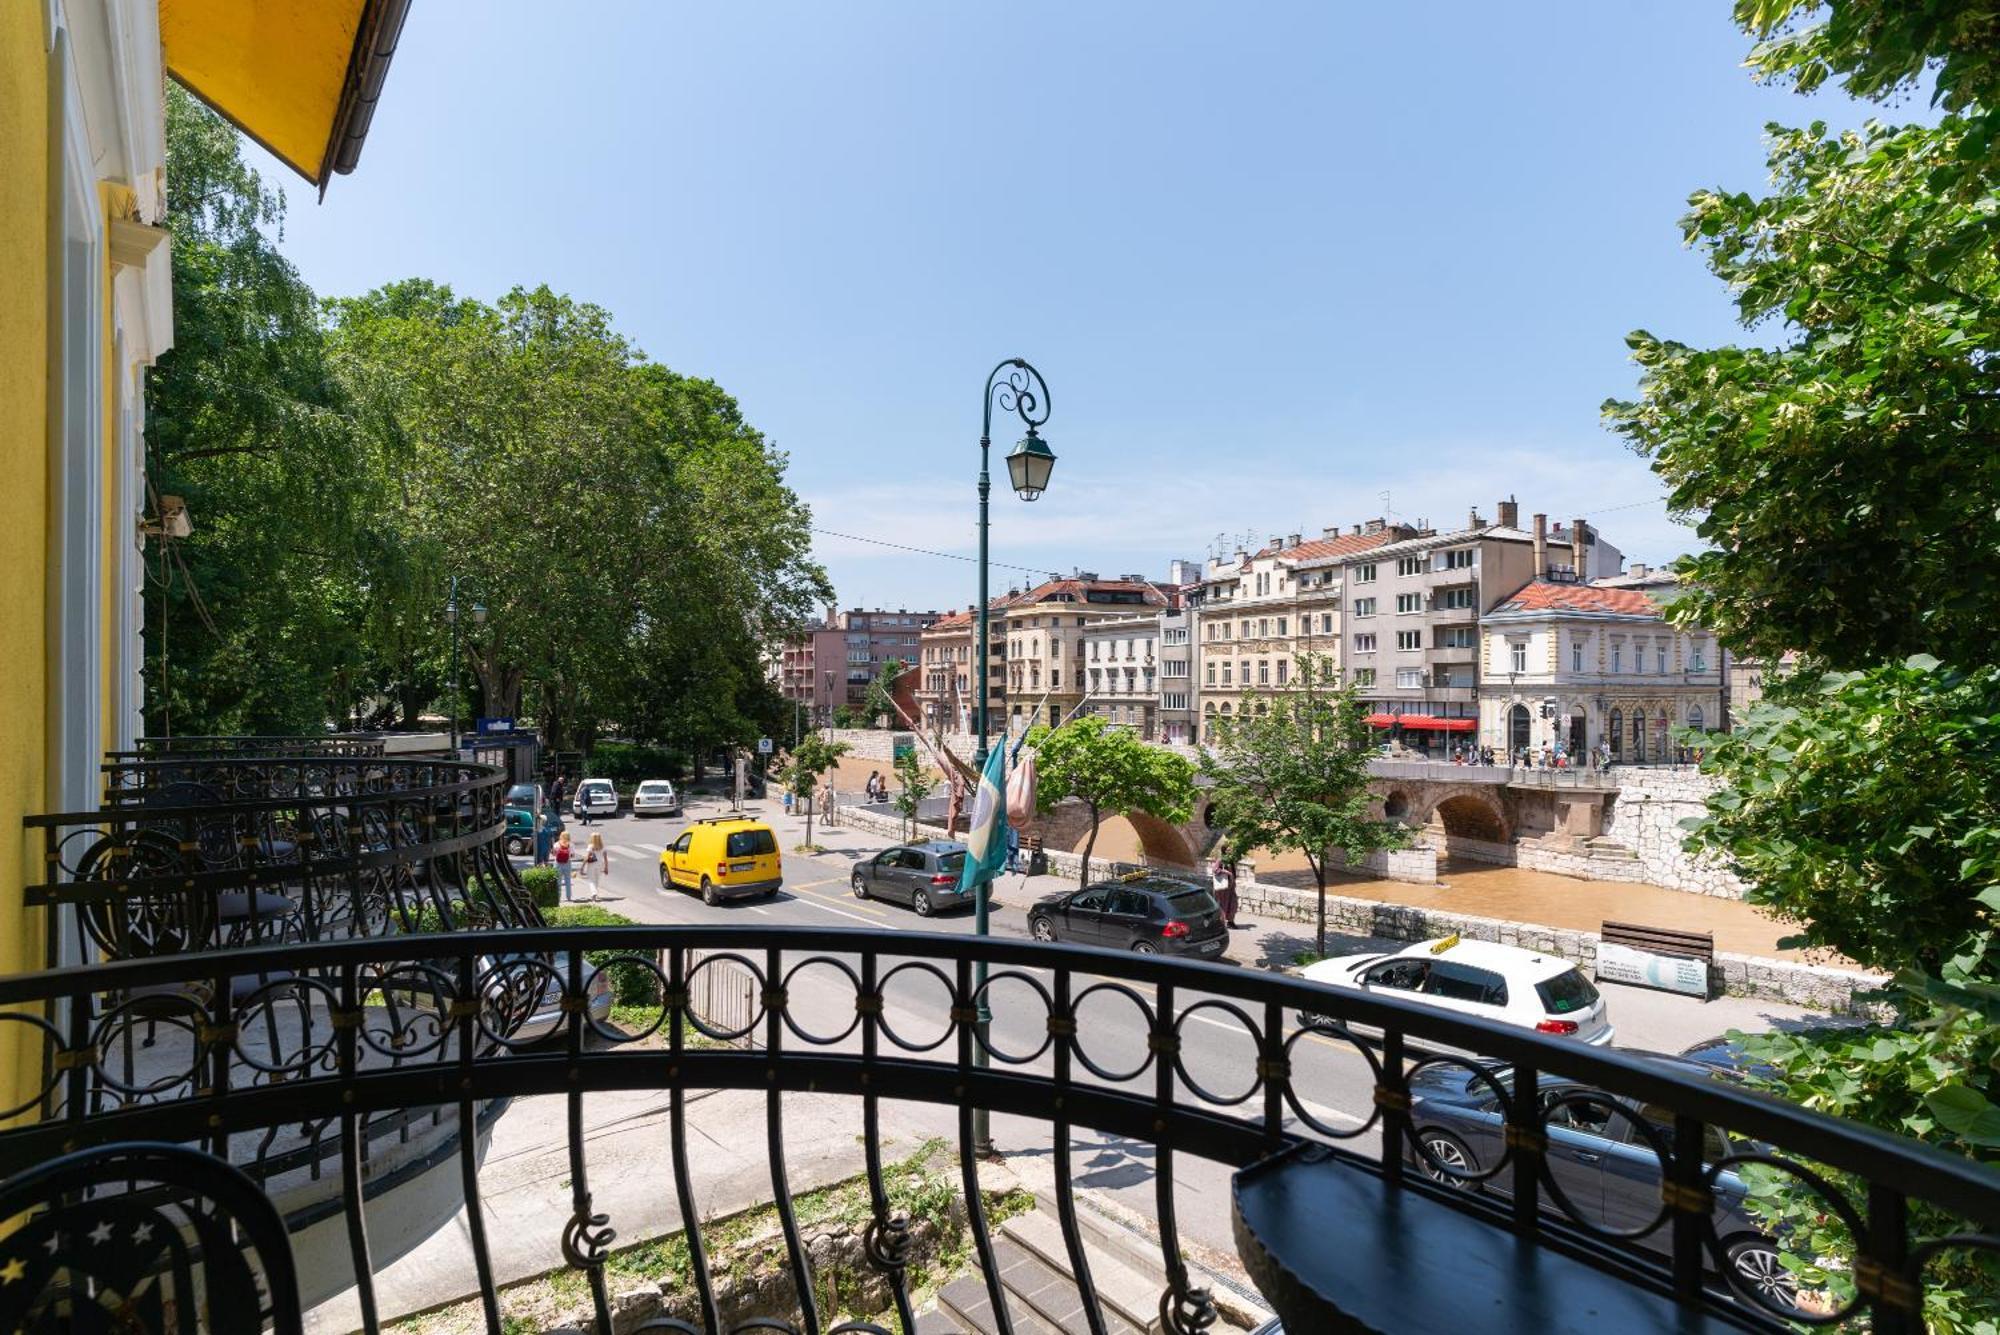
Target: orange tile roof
1543,595
1345,545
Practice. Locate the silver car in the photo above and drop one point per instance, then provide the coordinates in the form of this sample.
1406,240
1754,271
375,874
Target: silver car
656,797
924,876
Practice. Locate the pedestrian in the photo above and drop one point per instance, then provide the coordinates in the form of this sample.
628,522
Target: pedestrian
1222,875
558,790
596,863
1013,848
827,801
562,861
788,801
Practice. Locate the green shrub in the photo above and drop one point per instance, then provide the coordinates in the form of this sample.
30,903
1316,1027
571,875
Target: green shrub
542,887
626,764
631,984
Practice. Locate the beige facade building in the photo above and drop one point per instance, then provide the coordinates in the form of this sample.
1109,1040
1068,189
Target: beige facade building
1596,667
1260,614
1044,639
948,687
1413,609
1121,667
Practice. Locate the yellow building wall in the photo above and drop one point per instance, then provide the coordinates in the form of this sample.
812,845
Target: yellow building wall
25,356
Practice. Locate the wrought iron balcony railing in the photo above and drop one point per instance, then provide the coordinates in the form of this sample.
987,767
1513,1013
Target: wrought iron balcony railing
318,744
331,1033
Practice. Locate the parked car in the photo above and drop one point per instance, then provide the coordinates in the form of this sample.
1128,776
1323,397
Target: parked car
924,876
656,797
1505,983
1604,1163
528,997
523,800
594,797
723,857
1150,914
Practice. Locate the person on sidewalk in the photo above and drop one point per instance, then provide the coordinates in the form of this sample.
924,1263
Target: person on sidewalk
562,859
1222,875
827,799
596,863
1013,849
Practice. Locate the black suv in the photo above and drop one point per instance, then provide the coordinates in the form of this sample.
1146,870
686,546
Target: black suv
1149,914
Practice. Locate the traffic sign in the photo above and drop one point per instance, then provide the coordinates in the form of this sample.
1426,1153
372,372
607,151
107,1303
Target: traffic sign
763,746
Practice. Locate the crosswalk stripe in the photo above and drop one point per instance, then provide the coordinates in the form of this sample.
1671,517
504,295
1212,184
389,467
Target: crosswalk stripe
632,851
652,848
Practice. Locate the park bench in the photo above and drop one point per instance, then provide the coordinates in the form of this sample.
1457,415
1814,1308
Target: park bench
1663,957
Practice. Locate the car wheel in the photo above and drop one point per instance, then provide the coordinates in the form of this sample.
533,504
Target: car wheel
1041,929
860,884
1446,1161
1761,1270
921,902
666,881
708,895
1144,948
516,846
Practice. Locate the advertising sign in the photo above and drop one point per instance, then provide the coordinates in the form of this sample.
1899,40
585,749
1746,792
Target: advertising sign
1671,973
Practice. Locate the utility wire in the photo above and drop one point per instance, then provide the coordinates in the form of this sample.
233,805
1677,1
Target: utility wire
925,551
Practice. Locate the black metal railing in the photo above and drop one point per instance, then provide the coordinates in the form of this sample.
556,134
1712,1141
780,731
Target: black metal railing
377,1025
315,744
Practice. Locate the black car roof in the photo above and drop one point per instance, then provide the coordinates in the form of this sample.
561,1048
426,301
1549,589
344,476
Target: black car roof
1163,885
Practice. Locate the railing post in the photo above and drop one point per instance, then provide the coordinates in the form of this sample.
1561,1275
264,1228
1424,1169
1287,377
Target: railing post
1529,1141
1896,1304
1690,1205
1392,1096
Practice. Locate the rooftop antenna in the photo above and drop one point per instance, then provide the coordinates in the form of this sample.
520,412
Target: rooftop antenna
1387,511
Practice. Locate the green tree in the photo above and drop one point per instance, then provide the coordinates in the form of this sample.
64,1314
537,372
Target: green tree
1295,779
913,786
880,705
1110,771
808,763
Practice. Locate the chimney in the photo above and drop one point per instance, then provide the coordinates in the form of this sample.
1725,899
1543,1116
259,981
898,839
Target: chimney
1510,513
1472,519
1541,546
1330,531
1640,570
1576,553
1373,526
1292,539
1354,532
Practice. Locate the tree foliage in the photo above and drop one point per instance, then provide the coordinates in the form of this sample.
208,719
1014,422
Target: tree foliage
1296,779
913,785
1110,771
807,764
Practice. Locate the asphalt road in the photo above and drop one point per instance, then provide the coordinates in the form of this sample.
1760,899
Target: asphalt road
1333,1081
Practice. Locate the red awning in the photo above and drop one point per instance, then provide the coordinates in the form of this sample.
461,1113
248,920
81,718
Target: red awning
1422,721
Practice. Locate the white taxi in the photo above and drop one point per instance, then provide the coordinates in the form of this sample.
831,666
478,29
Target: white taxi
1506,983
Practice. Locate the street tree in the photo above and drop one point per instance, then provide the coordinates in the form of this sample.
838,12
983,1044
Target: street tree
1111,772
808,763
1841,473
880,704
914,784
1295,778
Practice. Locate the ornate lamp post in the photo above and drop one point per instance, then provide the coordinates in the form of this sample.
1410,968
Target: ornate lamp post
451,617
1023,392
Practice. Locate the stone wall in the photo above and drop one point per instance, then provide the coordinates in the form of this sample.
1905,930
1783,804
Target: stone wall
1417,864
1646,817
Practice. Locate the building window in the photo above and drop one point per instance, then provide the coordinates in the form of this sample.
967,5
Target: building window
1576,655
1284,670
1697,660
1208,673
1263,672
1364,607
1660,656
1614,732
1409,602
1055,679
1326,623
1458,637
1365,574
1364,644
1409,565
1518,657
1695,718
1243,667
1409,639
1456,598
1364,676
1283,633
1617,657
1460,559
1409,678
1226,679
1263,627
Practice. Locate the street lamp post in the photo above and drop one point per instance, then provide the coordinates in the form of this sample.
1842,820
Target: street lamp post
451,617
1022,391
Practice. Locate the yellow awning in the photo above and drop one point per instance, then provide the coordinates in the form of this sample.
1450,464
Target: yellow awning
301,77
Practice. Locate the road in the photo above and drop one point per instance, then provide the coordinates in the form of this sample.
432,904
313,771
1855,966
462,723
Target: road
1333,1081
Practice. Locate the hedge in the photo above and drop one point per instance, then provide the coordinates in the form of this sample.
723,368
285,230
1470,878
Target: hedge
631,984
627,763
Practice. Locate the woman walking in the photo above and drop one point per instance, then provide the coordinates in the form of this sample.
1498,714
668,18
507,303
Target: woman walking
596,864
562,861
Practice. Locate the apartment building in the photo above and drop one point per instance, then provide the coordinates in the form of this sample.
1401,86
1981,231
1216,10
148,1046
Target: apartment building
947,692
1121,666
1045,654
1575,665
1413,608
1175,715
833,661
1260,614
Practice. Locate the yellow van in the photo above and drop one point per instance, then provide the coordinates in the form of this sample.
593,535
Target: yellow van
724,857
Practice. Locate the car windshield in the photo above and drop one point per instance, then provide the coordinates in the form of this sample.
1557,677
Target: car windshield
1567,991
751,843
1192,903
650,788
951,862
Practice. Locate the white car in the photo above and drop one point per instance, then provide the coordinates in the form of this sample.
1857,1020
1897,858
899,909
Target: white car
594,797
1504,983
656,797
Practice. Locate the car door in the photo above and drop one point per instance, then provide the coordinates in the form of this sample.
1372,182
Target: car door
677,857
1127,918
883,881
1083,917
1632,1173
1583,1130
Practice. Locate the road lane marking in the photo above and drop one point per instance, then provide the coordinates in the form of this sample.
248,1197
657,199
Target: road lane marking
816,902
650,848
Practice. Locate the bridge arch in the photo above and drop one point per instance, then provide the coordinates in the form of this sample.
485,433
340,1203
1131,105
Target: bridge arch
1471,815
1136,836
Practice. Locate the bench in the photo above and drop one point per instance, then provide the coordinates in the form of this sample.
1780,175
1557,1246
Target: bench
1662,957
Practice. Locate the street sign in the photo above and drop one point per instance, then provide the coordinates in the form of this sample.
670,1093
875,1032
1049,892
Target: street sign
494,725
1644,968
763,746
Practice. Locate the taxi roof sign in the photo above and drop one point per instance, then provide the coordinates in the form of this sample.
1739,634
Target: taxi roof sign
1445,944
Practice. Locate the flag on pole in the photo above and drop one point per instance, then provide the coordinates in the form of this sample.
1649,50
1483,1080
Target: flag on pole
986,840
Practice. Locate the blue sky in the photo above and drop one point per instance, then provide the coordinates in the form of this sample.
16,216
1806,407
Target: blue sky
1274,260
